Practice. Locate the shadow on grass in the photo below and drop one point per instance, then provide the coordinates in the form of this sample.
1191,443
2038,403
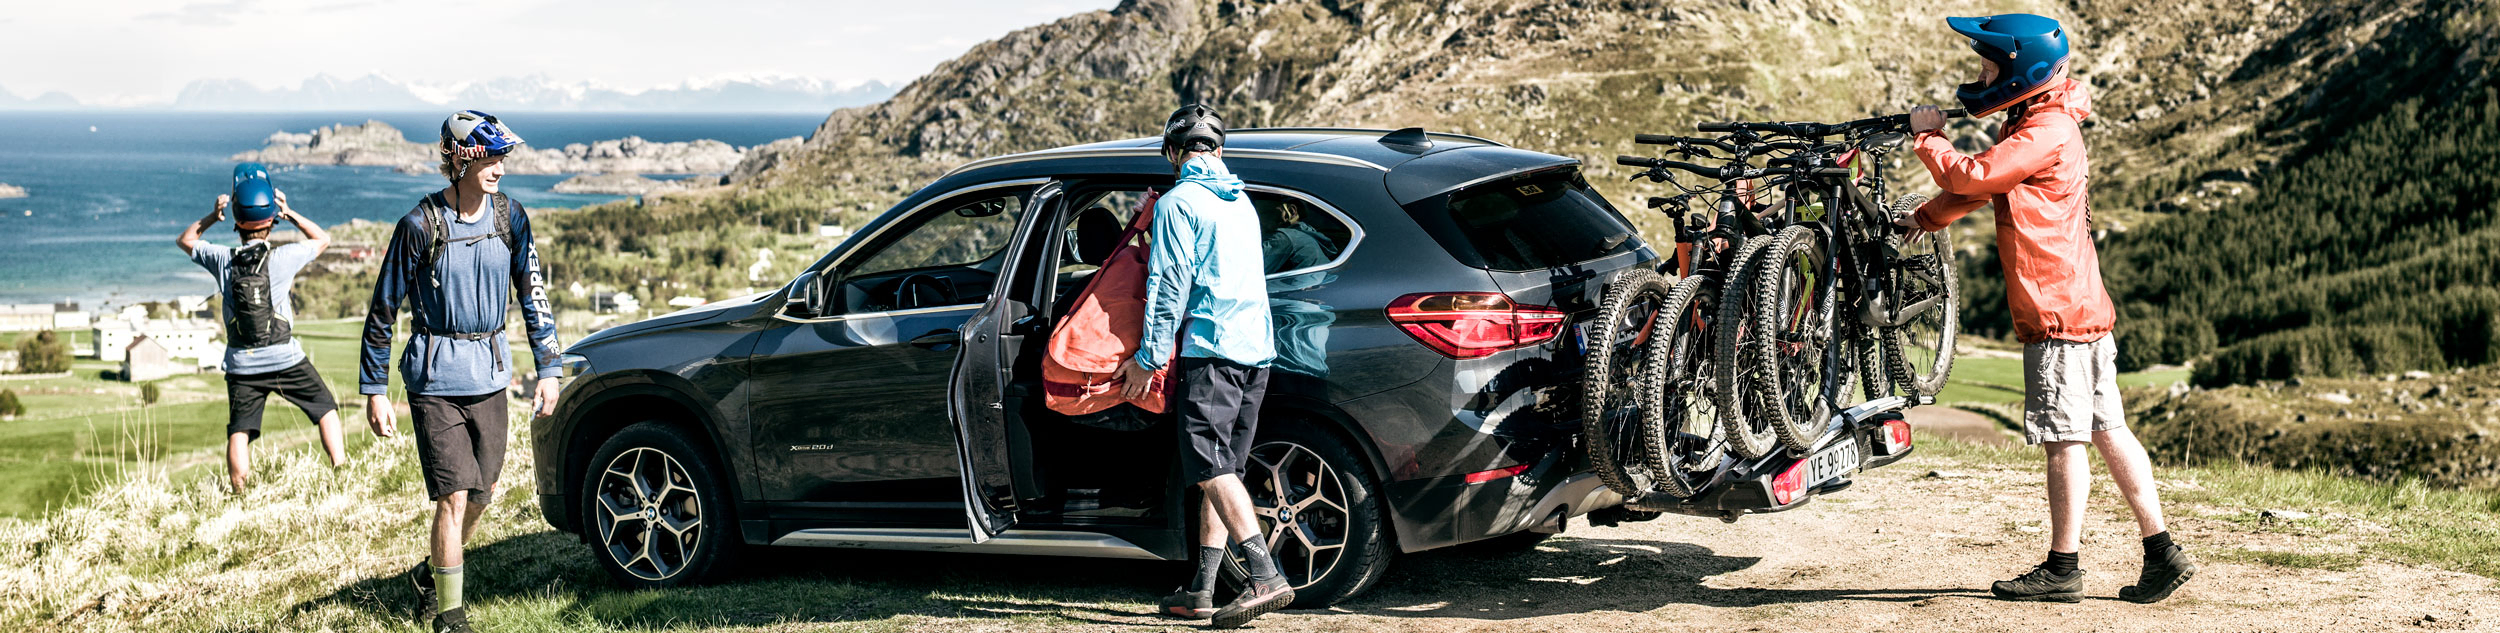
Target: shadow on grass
550,572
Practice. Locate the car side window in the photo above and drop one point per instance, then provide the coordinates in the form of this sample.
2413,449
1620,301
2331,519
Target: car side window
1296,236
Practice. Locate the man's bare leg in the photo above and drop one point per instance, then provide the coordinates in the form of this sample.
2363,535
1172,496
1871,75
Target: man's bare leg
1232,504
238,460
2070,483
1211,528
333,440
2132,470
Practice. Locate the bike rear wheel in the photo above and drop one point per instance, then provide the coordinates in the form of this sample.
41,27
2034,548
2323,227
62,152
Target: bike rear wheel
1921,349
1746,428
1793,300
1611,419
1683,431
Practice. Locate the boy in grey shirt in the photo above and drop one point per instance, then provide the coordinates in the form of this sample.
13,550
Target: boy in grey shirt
253,281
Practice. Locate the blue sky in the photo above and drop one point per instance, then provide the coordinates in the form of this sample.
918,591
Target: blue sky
135,52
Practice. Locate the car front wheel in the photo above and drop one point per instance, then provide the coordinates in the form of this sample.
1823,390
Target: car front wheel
655,510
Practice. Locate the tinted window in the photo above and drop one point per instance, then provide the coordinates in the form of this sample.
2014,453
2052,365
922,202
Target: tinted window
1294,235
1540,221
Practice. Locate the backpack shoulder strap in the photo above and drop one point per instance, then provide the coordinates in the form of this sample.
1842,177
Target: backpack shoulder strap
435,230
503,223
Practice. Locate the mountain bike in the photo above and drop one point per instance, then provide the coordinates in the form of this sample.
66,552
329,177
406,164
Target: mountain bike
1842,252
1680,437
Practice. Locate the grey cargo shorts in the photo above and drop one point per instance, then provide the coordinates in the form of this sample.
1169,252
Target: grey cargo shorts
2070,389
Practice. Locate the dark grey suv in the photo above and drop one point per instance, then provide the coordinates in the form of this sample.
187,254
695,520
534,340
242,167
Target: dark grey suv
1426,290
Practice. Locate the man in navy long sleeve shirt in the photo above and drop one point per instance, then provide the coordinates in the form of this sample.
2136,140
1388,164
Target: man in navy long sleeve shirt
456,261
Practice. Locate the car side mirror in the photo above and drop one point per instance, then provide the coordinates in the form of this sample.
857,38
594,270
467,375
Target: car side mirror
807,295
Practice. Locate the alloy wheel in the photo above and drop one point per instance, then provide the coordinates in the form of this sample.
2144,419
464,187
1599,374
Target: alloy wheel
650,519
1301,504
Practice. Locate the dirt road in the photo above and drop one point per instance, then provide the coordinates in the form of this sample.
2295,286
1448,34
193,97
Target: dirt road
1902,551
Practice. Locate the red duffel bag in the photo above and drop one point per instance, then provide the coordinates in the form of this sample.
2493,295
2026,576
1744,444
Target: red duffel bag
1081,372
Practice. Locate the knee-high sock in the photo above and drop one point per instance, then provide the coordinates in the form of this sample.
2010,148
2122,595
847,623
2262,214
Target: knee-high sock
447,588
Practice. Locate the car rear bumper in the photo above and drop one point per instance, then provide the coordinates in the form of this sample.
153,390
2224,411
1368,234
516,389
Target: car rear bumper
1748,488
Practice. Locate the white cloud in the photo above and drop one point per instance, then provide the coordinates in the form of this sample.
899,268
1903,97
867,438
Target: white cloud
142,51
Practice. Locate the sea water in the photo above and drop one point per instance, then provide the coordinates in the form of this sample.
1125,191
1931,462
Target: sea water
108,191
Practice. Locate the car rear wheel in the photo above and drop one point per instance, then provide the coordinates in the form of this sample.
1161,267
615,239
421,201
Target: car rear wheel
1317,514
655,510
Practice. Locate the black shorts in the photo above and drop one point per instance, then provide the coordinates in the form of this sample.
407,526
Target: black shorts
248,394
460,443
1219,412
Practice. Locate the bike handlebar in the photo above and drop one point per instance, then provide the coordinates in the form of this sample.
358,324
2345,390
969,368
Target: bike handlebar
1729,172
1809,128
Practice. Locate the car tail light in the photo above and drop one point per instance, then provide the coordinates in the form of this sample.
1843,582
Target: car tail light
1474,324
1497,473
1785,487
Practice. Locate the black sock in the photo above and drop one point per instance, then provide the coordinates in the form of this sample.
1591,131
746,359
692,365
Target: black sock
1254,555
2062,563
1210,559
2158,545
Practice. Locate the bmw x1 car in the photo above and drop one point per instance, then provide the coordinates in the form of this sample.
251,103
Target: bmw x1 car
1426,291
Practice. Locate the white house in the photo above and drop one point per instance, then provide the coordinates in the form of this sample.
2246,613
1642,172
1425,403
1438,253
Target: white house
181,338
25,317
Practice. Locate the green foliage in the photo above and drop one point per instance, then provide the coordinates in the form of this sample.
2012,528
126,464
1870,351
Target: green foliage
9,404
2332,350
43,353
149,393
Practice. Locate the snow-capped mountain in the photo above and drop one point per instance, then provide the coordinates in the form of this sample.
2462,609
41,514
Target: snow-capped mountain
47,101
763,93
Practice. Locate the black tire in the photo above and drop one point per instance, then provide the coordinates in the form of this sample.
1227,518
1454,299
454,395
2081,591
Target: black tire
1922,350
1686,445
657,473
1360,527
1748,434
1611,399
1793,304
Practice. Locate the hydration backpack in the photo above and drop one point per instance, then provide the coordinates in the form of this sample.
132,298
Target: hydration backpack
253,320
436,228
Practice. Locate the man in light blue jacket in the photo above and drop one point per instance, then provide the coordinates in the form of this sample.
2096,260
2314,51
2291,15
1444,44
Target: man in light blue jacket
1206,294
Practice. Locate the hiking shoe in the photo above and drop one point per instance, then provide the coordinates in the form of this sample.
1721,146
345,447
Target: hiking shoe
2163,574
422,578
2041,585
454,621
1262,598
1188,605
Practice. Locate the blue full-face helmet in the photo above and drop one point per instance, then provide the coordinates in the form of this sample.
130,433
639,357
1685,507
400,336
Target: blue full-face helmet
255,201
2027,49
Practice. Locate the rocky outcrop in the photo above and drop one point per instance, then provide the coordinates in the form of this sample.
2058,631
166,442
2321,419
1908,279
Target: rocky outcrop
10,191
375,143
625,184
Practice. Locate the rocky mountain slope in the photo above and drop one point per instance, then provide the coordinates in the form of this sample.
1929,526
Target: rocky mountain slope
377,143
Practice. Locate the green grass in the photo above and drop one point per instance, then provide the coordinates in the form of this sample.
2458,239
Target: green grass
2335,561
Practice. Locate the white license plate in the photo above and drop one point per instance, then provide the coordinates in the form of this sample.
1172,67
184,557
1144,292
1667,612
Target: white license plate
1833,462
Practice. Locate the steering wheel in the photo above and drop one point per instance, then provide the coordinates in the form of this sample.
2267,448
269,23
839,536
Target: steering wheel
922,290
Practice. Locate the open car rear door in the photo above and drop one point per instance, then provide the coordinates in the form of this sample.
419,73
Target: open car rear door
975,391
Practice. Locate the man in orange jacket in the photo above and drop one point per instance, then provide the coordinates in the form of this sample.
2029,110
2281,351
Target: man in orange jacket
2035,177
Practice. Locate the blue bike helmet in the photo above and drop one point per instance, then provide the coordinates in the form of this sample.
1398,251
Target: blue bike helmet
475,134
2027,49
255,201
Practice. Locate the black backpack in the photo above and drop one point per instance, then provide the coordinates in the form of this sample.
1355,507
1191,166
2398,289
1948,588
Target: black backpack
436,229
252,320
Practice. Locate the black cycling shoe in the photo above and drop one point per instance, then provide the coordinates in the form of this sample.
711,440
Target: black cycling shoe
1188,605
2163,574
454,621
1262,598
2041,585
423,579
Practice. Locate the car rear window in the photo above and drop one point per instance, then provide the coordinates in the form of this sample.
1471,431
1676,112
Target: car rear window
1538,221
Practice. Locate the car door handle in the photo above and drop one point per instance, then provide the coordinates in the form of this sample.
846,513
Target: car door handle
940,338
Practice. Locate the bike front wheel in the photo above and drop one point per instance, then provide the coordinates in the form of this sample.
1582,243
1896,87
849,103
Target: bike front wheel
1926,282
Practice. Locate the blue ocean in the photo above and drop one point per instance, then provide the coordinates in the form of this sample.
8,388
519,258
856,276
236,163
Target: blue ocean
108,191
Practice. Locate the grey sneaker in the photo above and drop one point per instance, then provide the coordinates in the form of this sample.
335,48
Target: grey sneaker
2041,585
1261,598
2162,574
454,621
1188,605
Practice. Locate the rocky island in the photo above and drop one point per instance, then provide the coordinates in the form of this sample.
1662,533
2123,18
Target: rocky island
616,163
9,191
